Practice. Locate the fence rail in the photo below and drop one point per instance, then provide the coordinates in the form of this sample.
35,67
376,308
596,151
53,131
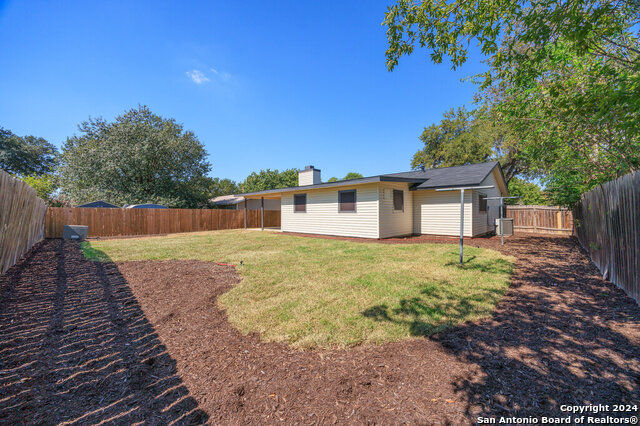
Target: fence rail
21,219
541,219
608,227
125,222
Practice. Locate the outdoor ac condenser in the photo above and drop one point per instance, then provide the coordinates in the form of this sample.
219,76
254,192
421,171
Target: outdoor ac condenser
507,222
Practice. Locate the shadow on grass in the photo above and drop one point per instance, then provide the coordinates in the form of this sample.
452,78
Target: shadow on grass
440,306
492,266
94,254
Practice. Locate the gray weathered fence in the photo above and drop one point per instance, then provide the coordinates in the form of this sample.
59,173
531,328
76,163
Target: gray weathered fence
21,219
607,224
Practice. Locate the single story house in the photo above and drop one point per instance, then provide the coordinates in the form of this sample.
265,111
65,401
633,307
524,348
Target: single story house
236,202
392,205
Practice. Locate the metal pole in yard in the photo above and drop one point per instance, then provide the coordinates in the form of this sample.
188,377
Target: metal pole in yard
462,211
501,224
461,223
245,214
262,212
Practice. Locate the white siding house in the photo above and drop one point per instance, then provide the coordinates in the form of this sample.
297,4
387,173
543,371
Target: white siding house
384,206
484,221
438,213
395,222
322,215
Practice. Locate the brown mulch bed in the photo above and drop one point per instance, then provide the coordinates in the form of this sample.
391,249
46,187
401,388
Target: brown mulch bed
90,342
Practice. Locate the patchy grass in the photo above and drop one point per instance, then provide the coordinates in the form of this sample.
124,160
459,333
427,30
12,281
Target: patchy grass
319,293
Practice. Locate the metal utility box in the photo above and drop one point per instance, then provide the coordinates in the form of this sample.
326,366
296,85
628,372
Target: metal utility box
75,232
507,223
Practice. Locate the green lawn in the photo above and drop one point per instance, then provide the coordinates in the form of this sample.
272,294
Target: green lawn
319,293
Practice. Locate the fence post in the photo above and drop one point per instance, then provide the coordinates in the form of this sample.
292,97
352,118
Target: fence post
559,217
535,221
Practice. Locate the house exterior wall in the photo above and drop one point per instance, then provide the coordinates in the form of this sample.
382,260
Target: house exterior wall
438,212
395,223
253,204
484,222
322,215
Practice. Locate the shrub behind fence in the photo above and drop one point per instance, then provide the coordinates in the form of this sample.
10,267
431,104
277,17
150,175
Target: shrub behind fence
607,224
21,219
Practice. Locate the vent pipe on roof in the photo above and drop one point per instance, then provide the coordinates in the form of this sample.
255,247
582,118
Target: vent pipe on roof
309,176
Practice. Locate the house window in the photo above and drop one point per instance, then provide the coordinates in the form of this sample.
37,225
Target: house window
300,203
398,200
347,201
482,203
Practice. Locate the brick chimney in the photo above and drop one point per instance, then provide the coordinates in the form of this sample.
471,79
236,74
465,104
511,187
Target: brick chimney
309,176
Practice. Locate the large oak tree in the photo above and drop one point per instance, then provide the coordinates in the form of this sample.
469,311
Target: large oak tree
140,157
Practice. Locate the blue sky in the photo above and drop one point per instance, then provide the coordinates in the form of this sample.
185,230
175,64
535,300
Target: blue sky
269,84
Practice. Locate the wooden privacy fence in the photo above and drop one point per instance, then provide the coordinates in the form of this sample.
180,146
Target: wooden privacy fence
122,222
608,227
541,219
21,219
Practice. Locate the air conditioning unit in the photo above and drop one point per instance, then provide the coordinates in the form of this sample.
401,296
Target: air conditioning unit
507,225
75,232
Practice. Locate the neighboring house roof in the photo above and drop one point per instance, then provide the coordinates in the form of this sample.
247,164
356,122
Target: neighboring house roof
99,204
146,206
446,177
227,200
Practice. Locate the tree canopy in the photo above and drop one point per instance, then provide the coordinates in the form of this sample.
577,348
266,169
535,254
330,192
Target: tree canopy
577,122
270,179
563,81
501,29
27,155
350,175
46,187
467,137
529,193
219,186
140,157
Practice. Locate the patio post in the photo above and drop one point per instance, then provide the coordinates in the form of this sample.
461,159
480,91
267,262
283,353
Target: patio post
245,214
262,212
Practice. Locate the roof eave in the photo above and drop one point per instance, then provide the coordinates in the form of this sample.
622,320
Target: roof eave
350,182
417,188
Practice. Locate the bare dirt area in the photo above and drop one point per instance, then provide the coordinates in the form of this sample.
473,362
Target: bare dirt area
88,342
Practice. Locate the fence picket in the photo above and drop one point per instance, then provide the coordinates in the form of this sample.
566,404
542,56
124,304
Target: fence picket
608,227
122,222
541,219
22,219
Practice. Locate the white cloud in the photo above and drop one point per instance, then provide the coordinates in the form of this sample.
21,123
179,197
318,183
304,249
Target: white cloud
197,76
224,76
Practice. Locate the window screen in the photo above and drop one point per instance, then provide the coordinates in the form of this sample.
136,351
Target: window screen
398,200
300,203
347,201
482,204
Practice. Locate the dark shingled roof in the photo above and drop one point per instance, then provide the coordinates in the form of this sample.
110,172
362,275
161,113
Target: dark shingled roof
99,204
445,177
